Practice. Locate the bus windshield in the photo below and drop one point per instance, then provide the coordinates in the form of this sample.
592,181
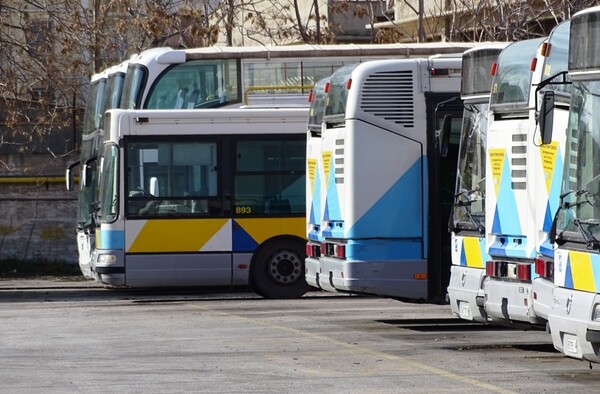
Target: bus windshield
114,88
317,105
93,110
584,53
480,78
196,84
109,185
471,166
582,211
335,105
512,82
135,82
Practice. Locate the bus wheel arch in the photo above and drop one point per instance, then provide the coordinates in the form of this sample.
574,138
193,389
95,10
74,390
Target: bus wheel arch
277,268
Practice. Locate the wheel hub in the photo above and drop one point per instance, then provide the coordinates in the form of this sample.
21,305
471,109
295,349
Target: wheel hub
284,267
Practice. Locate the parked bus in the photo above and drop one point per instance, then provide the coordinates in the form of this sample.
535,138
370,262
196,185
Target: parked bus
105,93
518,199
467,221
215,77
547,160
315,192
203,198
388,192
574,318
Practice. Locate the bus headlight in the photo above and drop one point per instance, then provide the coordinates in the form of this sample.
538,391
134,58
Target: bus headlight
107,259
596,313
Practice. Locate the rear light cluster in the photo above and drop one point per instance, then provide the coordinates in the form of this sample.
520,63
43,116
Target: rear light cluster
544,268
504,269
326,249
333,250
313,250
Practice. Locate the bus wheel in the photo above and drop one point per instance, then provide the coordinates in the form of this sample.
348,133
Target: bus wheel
278,270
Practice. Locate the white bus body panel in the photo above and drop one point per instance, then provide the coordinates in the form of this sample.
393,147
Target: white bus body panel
465,290
575,315
376,164
547,162
510,216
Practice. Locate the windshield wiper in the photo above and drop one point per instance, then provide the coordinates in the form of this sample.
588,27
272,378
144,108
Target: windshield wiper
472,108
584,228
568,205
466,204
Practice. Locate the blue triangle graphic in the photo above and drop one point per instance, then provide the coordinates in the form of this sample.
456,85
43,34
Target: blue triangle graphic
242,241
506,204
463,257
315,207
332,202
547,219
496,227
568,276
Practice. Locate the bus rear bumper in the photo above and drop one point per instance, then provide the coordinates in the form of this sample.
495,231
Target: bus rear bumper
575,324
391,278
509,301
466,294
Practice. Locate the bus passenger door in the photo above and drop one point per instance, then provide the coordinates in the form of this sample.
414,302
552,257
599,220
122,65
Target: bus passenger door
442,178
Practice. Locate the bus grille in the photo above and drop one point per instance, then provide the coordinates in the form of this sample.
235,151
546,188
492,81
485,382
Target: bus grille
390,95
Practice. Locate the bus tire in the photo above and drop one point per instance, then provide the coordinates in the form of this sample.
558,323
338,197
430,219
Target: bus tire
278,269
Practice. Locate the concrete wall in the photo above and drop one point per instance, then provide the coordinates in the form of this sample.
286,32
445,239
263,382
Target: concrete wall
38,217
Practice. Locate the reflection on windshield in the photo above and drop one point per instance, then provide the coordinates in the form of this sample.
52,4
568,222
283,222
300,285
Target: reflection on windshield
581,186
109,187
469,212
195,84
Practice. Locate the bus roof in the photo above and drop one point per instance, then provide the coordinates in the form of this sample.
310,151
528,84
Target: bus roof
268,121
173,56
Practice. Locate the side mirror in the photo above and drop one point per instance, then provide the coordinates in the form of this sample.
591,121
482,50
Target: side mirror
87,172
545,117
69,175
443,138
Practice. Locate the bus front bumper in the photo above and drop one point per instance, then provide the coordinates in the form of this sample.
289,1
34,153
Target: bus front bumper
574,322
466,294
108,267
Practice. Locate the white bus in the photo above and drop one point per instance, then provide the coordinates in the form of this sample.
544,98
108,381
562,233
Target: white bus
203,198
216,77
575,315
315,192
522,177
546,159
388,192
105,93
467,220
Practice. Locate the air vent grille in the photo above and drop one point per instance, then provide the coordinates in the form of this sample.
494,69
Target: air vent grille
390,95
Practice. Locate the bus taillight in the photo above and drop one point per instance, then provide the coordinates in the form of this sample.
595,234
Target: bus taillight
313,250
333,250
494,69
340,251
524,272
348,84
490,268
544,268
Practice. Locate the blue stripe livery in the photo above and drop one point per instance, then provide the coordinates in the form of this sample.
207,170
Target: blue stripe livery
506,215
